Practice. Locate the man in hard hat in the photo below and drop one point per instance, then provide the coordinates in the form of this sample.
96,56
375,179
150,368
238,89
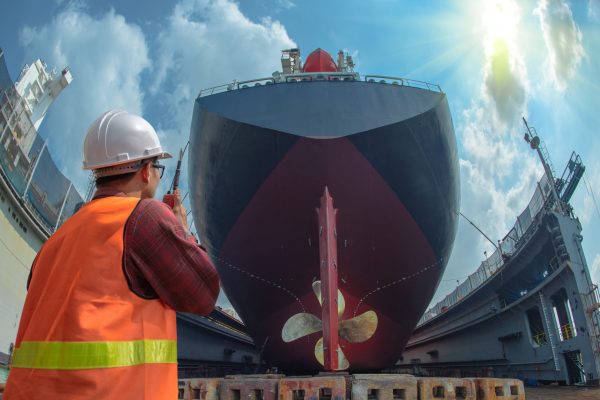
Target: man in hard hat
99,317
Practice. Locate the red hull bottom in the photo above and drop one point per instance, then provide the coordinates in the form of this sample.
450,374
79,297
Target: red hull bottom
270,257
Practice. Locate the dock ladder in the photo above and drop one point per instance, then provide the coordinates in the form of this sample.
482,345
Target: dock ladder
550,330
592,309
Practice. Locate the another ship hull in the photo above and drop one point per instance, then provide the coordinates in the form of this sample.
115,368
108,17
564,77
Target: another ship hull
261,160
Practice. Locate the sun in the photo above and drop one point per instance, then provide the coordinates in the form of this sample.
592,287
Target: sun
500,20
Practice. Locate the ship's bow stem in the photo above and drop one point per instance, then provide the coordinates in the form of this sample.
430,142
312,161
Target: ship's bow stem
329,277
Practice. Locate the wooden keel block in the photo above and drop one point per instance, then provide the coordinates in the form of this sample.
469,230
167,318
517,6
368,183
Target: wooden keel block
384,387
446,389
248,388
199,389
313,388
499,389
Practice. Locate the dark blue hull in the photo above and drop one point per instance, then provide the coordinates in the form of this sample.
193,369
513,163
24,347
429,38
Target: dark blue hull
260,160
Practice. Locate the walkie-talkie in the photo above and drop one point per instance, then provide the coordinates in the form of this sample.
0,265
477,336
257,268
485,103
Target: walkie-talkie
169,198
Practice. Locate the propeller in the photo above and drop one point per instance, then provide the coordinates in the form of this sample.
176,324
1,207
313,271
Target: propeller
354,330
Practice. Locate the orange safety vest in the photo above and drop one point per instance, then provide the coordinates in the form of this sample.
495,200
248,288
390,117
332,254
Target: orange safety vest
83,333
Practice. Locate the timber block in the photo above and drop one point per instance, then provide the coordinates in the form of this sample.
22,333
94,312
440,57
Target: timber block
313,388
499,389
446,388
200,389
248,388
384,387
255,376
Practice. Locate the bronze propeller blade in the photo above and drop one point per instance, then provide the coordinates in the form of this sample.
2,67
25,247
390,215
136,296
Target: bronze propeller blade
360,328
341,302
300,325
342,360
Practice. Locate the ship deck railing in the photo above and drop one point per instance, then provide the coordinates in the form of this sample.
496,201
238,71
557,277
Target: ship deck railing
320,76
520,233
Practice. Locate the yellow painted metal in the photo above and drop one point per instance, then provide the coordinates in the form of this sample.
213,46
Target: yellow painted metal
540,338
567,332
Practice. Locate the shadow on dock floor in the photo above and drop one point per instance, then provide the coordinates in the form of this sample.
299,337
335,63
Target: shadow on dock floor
562,393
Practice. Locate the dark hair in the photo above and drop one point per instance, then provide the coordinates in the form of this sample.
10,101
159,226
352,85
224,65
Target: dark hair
105,180
122,178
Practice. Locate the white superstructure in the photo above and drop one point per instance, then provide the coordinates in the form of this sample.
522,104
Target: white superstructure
35,198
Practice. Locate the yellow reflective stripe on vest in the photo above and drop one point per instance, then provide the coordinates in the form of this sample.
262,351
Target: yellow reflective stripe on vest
86,355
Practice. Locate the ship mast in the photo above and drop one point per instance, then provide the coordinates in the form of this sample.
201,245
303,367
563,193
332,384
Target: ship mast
534,141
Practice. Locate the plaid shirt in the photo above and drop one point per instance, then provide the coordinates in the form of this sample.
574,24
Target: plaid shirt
162,261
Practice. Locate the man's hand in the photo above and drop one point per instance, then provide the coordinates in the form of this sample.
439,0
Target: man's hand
178,208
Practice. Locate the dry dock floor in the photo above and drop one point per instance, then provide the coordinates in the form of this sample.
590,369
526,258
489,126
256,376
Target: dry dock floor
562,393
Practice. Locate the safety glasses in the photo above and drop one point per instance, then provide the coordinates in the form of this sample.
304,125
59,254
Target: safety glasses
159,166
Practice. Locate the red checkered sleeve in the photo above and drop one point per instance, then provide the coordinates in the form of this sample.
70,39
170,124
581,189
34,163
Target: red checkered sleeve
162,261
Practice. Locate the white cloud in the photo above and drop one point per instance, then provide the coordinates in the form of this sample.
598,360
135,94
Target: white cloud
594,10
106,56
287,4
563,39
504,82
484,142
207,43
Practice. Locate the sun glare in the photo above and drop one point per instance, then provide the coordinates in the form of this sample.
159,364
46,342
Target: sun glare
500,19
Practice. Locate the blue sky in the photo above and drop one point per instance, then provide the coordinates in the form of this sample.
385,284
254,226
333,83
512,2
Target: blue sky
496,60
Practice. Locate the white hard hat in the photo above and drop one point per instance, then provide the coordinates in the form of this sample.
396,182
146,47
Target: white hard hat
117,138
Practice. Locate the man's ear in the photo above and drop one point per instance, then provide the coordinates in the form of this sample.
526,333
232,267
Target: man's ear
145,173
